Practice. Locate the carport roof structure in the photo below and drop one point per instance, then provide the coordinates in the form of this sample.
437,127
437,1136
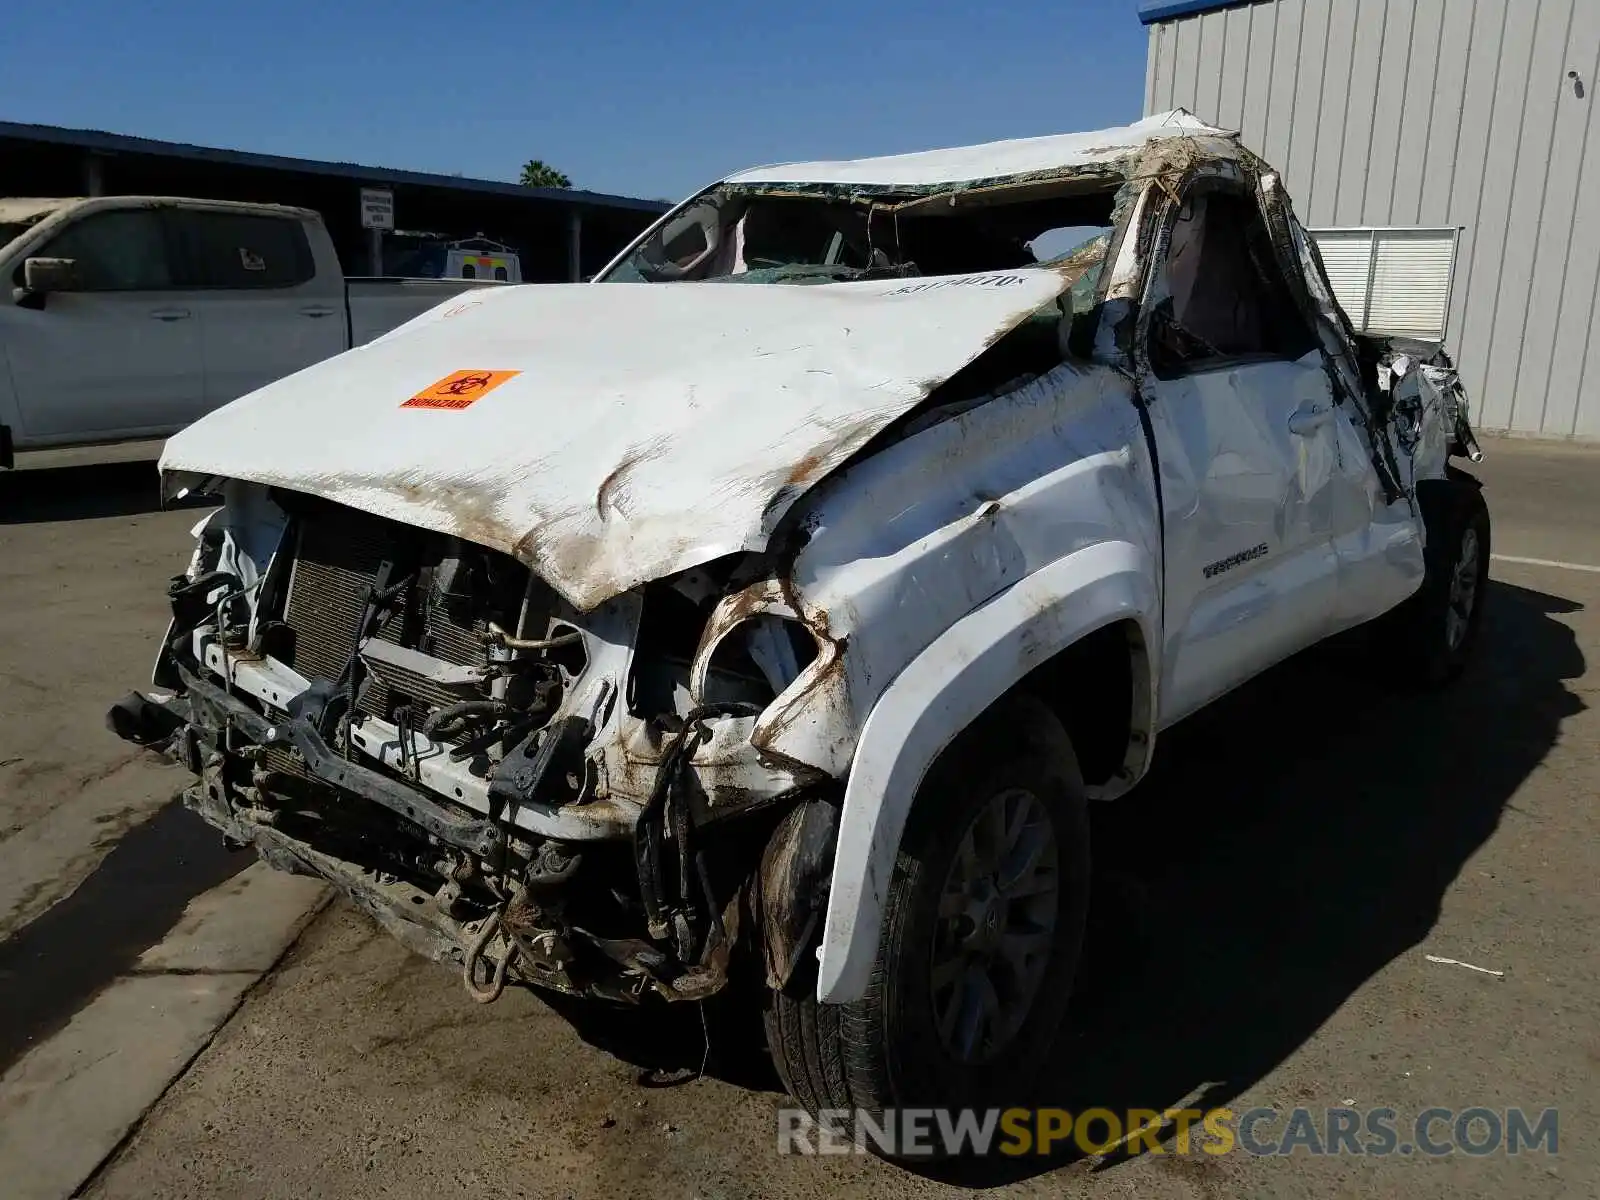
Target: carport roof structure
98,142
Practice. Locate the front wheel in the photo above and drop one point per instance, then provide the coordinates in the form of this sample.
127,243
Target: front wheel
982,932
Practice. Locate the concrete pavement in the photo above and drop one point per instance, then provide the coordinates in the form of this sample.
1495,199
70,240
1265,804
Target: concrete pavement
127,933
85,554
67,1104
1265,911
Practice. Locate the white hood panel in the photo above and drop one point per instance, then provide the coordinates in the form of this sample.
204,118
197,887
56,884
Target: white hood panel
632,430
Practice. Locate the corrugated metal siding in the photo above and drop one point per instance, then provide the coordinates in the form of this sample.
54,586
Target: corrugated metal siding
1433,112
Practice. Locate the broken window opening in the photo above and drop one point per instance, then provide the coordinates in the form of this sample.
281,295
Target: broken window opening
754,235
1225,297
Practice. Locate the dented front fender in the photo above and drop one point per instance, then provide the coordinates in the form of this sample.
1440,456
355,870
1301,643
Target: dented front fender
936,697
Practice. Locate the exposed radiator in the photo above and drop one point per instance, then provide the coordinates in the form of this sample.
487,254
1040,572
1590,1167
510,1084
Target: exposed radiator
337,554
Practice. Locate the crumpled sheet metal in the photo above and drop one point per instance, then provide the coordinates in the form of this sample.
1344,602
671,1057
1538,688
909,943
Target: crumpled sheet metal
1428,416
992,160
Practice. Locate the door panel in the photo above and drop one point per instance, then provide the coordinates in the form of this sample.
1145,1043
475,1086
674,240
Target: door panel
266,312
122,355
250,339
1251,573
1247,437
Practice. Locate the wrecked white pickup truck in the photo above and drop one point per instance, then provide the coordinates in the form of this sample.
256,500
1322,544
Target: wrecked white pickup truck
627,638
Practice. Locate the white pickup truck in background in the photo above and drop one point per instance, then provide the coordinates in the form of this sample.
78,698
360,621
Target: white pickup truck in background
130,316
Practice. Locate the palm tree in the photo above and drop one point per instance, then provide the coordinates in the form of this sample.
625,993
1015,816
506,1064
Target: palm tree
541,174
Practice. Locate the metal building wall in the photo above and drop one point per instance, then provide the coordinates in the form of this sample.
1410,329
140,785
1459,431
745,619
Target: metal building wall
1434,112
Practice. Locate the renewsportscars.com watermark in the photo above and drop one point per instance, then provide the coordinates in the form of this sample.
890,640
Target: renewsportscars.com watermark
908,1132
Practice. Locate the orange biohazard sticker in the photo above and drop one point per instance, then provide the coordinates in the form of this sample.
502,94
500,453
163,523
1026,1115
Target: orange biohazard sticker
461,390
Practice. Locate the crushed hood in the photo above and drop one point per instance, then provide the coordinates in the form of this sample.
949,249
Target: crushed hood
609,434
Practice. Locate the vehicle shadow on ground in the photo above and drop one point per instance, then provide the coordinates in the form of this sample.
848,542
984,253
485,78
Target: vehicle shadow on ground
674,1044
1292,840
81,492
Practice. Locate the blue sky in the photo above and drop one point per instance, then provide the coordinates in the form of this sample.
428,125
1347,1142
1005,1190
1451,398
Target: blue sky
651,100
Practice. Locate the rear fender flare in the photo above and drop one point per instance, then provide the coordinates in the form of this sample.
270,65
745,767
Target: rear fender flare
944,689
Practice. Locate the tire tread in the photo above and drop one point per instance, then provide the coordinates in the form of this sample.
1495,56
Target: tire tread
836,1056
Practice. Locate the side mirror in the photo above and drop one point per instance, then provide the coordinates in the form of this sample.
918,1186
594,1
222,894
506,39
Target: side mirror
45,275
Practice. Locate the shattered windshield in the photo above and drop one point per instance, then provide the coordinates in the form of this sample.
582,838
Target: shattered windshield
759,239
776,235
1082,265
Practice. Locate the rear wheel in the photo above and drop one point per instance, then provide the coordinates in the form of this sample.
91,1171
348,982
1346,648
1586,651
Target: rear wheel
1433,634
982,931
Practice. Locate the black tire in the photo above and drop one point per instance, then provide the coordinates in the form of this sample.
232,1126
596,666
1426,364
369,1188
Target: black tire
1430,635
885,1050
